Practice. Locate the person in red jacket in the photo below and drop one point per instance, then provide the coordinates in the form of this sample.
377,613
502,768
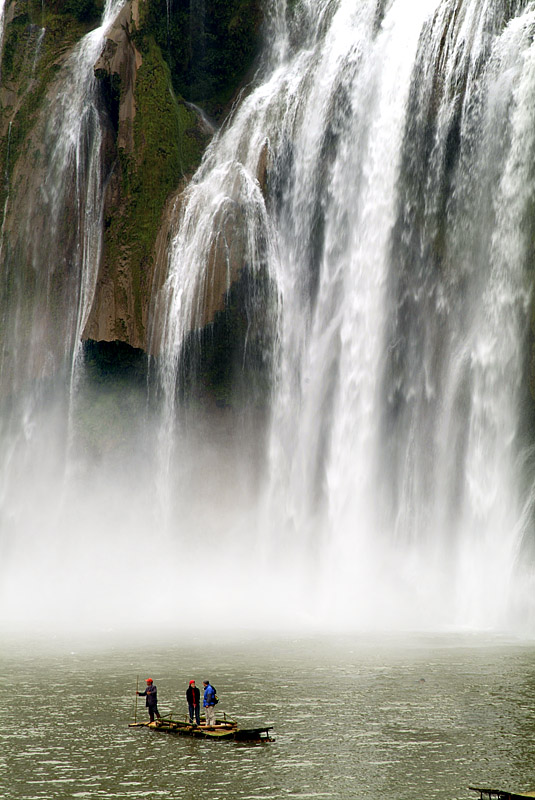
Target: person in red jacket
151,693
193,696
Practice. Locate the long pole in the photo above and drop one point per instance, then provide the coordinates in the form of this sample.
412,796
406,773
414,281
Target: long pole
135,703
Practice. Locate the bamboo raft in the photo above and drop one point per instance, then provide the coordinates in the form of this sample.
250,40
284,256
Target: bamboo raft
500,794
226,729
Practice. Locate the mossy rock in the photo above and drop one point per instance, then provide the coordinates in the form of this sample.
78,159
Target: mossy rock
210,47
168,147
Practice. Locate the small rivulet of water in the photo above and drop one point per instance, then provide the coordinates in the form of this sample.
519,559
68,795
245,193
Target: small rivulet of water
2,16
393,222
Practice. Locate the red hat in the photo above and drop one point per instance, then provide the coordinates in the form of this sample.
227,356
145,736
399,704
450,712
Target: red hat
149,680
191,682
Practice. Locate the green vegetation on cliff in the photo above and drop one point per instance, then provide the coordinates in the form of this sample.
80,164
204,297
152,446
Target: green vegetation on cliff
210,45
167,147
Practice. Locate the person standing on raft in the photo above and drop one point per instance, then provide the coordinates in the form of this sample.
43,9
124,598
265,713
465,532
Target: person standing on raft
193,696
151,693
209,704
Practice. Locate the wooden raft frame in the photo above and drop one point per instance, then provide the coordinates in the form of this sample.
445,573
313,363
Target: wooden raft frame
500,794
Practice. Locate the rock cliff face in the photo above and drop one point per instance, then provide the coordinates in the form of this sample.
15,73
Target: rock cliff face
159,140
156,61
154,143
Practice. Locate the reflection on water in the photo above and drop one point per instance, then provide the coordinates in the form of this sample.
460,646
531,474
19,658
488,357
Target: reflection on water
408,719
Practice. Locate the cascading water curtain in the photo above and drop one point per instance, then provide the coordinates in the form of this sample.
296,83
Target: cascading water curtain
458,306
53,231
50,256
398,138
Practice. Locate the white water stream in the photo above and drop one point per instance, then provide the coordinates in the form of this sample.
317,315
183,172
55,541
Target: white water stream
50,260
2,16
399,136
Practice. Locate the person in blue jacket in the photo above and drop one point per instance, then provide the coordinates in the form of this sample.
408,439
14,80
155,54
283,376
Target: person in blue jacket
209,703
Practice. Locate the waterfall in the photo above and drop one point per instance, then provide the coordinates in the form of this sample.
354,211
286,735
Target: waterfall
51,245
352,261
395,232
38,48
2,15
6,179
61,214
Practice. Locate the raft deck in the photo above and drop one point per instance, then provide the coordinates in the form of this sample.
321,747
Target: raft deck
223,729
500,794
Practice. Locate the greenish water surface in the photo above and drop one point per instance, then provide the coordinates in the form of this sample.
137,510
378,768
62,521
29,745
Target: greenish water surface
407,718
